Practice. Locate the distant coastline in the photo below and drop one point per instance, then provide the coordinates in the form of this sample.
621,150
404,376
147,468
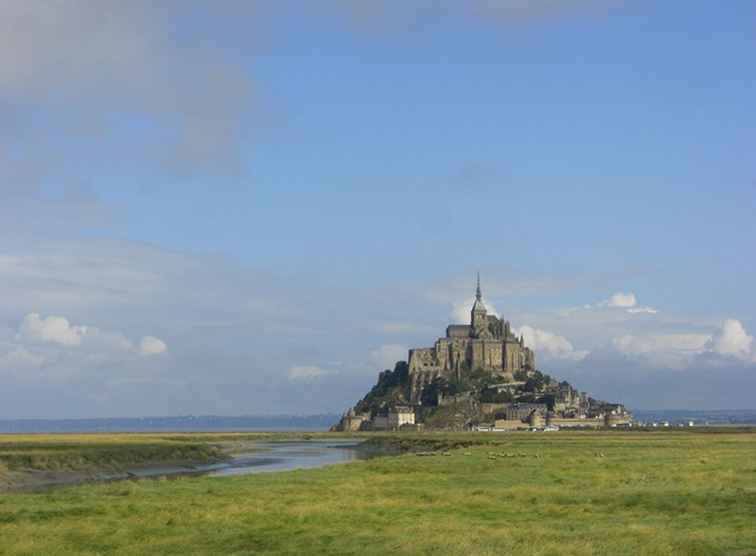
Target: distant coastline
313,423
188,423
717,417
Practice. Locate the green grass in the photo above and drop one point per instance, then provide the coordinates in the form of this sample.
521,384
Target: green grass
83,452
590,493
97,451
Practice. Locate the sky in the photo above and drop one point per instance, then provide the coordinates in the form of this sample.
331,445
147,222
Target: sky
255,207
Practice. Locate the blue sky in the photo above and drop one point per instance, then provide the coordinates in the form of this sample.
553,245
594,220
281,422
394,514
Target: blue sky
227,209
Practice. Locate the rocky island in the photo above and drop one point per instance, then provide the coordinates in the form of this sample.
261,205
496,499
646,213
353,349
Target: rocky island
480,376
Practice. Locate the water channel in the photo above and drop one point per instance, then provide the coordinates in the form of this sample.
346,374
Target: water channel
255,457
271,456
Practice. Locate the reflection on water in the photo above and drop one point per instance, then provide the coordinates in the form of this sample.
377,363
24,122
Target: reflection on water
285,456
265,457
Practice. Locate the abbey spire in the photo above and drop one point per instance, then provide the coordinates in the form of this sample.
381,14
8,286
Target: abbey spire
478,306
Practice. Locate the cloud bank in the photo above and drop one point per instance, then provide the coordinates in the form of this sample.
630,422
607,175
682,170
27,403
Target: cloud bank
50,329
680,351
732,340
57,330
550,345
307,372
107,58
200,334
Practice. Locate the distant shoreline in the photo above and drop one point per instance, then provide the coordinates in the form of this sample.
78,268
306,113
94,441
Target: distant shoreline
203,423
303,423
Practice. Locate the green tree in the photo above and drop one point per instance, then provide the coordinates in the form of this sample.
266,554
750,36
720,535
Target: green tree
521,376
490,395
391,386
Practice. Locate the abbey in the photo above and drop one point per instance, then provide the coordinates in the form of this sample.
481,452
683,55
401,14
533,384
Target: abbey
487,343
482,377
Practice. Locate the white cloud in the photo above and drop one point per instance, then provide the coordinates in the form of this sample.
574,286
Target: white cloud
642,310
626,301
50,329
387,355
550,345
680,350
635,345
307,372
732,340
152,346
57,330
621,299
667,350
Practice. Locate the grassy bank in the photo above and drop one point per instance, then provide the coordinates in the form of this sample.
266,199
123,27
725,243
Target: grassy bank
98,451
561,493
25,455
39,459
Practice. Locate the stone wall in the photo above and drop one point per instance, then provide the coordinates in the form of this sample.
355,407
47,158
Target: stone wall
582,423
510,425
491,408
617,419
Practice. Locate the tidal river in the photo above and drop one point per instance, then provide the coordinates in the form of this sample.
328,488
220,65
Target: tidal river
284,456
272,456
254,457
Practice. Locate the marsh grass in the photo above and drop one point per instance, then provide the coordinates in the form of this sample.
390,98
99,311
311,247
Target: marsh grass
97,451
542,494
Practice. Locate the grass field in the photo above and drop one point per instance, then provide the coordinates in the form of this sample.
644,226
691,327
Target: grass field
613,493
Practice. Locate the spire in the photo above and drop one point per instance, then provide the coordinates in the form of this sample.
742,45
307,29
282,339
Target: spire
478,306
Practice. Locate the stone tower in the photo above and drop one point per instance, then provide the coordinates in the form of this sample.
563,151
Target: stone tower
487,344
479,315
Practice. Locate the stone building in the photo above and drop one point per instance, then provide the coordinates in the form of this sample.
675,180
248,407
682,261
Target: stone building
487,343
523,410
400,415
566,397
379,422
616,415
537,419
351,422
